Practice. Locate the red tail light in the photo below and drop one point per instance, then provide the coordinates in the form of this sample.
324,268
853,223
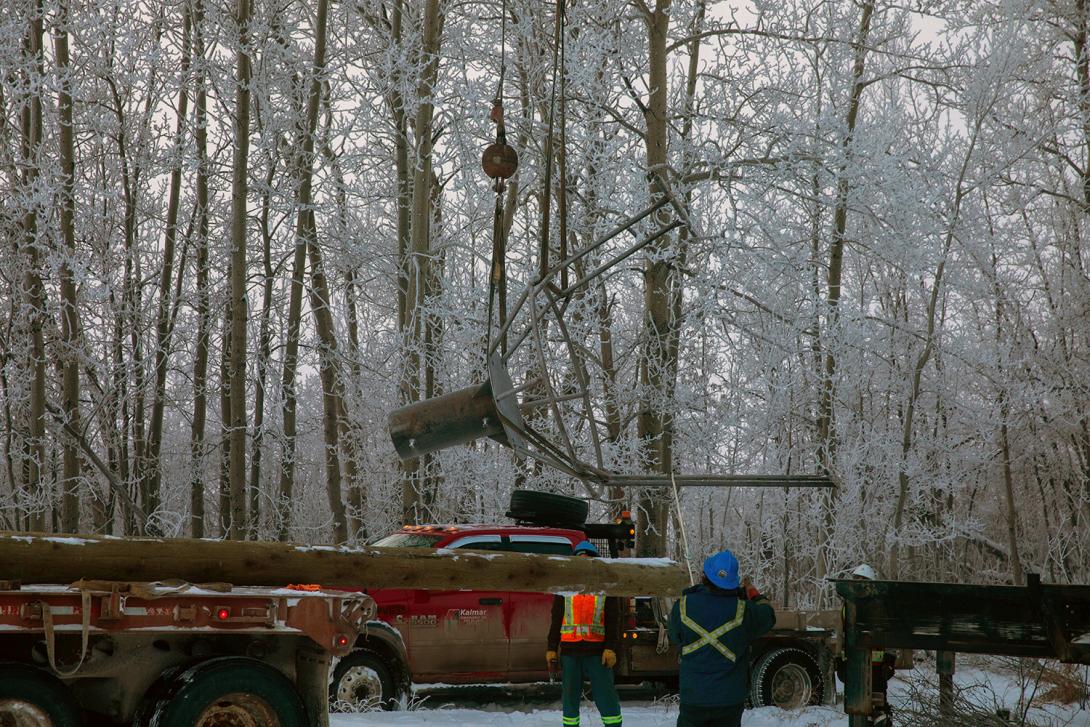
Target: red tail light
630,622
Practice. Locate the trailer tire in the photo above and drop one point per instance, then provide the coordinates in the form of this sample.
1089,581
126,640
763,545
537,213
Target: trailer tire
243,690
362,680
786,677
31,696
547,508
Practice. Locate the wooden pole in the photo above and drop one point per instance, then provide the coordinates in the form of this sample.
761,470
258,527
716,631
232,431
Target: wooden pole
38,558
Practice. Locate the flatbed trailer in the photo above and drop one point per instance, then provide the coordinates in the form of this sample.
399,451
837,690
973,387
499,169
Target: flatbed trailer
171,654
1036,620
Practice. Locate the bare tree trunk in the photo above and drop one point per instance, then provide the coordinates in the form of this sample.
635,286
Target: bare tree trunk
34,290
264,355
1004,438
922,360
332,391
291,361
239,308
349,435
827,377
655,363
71,335
412,500
226,493
1081,41
357,498
197,445
153,471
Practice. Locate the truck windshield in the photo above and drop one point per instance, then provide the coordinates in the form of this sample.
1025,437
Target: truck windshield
409,540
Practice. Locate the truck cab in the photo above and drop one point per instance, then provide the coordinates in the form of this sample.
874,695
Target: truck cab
482,637
464,637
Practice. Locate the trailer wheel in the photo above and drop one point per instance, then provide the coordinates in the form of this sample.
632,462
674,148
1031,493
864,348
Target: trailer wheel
30,697
362,681
547,508
224,692
788,678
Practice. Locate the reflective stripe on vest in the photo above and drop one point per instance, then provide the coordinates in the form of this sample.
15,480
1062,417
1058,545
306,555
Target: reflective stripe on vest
584,618
712,637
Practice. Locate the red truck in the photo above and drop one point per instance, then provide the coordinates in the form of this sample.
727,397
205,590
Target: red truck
481,637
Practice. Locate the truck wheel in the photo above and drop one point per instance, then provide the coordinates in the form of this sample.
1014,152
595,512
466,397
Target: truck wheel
546,508
362,681
788,678
225,692
30,697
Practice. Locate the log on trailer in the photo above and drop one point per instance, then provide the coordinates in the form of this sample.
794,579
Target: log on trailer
39,558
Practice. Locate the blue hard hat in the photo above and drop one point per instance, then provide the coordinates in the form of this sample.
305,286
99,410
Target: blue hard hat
722,569
586,547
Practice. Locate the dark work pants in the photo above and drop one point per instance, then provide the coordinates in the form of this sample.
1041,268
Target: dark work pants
696,716
577,667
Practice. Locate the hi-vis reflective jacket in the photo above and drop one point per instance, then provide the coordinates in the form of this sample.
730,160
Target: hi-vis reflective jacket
578,616
713,629
584,619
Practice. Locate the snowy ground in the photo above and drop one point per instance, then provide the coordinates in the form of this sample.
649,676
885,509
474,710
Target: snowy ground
987,684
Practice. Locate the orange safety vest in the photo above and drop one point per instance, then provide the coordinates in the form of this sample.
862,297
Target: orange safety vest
584,619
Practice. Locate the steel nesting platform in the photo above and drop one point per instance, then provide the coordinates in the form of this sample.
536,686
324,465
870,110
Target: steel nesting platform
1036,620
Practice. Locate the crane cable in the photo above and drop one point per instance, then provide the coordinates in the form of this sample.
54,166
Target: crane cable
558,42
500,161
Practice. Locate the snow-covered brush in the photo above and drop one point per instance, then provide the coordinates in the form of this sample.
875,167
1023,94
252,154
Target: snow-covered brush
1006,691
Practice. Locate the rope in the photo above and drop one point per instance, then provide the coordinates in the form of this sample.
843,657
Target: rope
543,262
503,50
681,527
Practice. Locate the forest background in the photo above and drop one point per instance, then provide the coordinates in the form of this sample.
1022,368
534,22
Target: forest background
237,235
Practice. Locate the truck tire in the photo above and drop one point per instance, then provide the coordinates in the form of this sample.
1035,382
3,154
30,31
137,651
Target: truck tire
362,681
225,690
786,677
30,697
547,508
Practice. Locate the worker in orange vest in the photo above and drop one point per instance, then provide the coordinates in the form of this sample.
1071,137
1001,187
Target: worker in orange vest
584,632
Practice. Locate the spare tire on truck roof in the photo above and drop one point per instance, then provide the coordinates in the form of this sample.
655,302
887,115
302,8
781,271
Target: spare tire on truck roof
547,508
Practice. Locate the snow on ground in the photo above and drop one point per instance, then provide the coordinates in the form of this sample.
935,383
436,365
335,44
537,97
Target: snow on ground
635,715
986,683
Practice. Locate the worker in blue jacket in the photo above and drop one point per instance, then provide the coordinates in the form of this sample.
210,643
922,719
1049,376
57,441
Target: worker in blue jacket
713,624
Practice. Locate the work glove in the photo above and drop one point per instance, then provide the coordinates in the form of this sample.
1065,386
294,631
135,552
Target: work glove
550,658
751,590
609,658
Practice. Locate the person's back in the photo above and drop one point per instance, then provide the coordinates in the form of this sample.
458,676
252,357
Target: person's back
713,625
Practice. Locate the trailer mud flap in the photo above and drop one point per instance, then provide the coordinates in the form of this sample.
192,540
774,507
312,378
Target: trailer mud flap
312,680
